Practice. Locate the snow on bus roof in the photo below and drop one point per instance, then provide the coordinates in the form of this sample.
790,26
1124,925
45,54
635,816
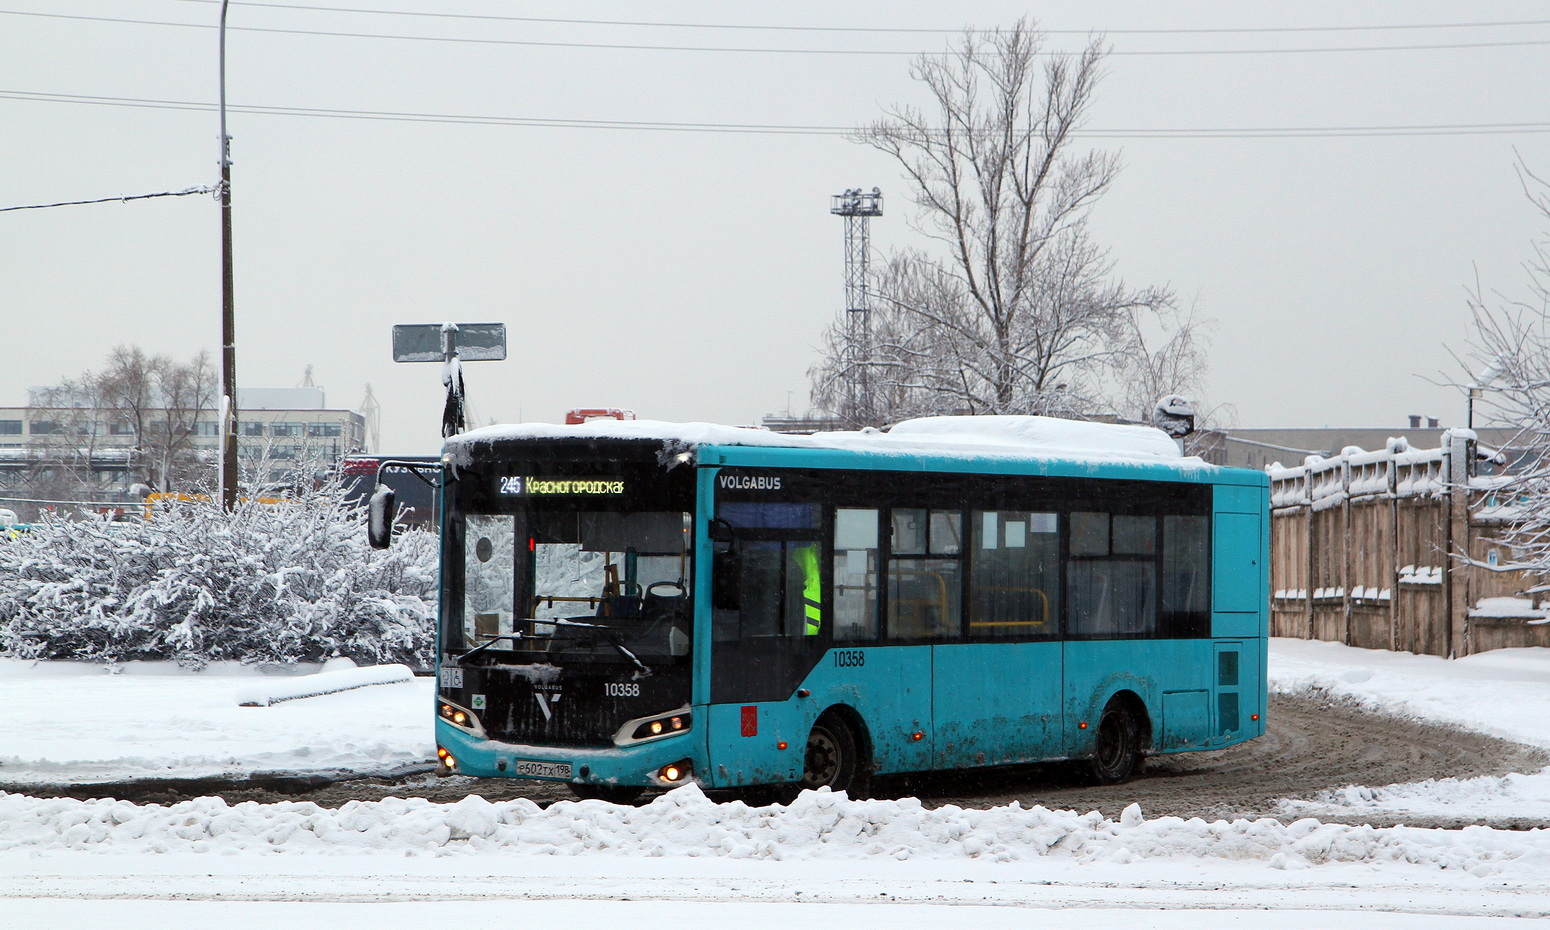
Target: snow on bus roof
996,436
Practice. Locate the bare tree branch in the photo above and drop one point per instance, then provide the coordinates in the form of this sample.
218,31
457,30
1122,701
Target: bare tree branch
1022,316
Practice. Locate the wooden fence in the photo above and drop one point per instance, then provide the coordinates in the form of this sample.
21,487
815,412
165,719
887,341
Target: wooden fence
1366,549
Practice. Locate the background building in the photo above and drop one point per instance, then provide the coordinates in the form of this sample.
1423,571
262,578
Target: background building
55,454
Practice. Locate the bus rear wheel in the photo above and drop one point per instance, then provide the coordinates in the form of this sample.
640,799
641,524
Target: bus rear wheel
1116,750
833,758
613,794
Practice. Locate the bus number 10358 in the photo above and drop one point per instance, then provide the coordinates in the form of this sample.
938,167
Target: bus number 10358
849,658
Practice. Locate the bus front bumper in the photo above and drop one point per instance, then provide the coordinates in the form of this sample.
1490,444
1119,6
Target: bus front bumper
664,763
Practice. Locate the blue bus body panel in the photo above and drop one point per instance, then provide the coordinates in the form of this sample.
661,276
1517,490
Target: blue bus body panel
891,693
996,703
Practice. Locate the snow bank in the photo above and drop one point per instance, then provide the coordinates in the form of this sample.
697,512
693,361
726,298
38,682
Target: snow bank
264,693
818,825
1505,798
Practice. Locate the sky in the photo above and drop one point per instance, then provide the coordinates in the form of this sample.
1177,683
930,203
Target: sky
689,275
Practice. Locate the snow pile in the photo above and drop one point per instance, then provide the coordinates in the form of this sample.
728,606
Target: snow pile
1520,797
1511,608
265,693
818,825
1008,437
286,582
1046,433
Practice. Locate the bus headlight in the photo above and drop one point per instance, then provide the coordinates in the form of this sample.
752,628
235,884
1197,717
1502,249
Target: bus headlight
675,773
460,717
662,726
657,726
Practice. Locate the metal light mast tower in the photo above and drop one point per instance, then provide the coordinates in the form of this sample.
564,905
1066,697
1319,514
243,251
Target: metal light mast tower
858,209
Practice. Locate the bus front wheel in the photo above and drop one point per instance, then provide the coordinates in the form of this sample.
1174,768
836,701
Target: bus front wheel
833,758
1116,750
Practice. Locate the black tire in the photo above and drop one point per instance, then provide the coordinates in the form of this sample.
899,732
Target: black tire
833,759
1116,748
613,794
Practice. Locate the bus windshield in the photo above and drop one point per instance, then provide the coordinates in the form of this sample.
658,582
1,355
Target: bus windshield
567,582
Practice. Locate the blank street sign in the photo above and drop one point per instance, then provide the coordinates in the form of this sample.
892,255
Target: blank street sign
476,342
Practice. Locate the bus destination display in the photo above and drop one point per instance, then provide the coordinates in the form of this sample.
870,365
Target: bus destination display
538,486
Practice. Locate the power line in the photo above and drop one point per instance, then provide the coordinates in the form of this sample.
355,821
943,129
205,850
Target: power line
770,27
123,199
1226,132
402,116
621,46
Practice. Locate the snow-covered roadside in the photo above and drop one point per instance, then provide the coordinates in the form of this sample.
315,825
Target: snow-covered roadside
74,723
679,858
684,823
683,857
1505,693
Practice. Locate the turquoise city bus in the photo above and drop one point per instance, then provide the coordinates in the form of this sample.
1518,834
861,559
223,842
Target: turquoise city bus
632,605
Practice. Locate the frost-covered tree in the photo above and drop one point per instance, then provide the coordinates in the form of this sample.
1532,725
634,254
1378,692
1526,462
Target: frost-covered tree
265,582
1507,378
1021,313
143,407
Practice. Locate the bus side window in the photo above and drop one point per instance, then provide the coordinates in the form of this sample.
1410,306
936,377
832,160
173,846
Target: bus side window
1186,597
855,574
1112,575
765,581
1015,583
924,575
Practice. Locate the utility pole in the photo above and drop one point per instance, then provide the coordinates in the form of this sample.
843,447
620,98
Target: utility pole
228,306
858,209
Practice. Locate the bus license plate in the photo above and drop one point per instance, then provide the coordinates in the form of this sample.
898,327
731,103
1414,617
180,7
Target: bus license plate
543,769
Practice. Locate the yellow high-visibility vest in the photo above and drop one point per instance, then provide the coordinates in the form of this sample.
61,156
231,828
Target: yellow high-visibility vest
806,558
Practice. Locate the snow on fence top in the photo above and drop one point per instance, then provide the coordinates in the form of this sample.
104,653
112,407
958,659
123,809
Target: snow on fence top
993,436
1356,474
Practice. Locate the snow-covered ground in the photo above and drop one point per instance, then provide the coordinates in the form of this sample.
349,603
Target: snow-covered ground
71,722
824,861
1505,693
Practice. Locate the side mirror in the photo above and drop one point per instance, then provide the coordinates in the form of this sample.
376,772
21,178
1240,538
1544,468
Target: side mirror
726,581
719,530
379,517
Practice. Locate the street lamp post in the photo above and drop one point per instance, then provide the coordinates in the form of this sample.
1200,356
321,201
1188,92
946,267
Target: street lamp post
1479,385
228,306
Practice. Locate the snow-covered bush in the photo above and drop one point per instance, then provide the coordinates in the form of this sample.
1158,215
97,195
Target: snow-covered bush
278,582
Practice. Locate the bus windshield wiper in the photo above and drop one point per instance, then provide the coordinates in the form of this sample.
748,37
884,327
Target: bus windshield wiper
611,633
485,645
614,642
